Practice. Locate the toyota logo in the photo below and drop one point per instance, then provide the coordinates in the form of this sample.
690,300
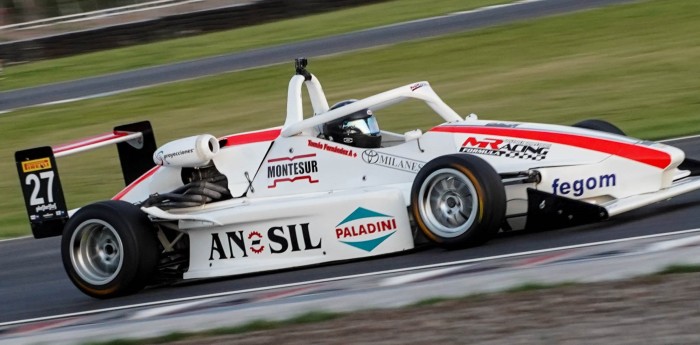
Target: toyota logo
370,156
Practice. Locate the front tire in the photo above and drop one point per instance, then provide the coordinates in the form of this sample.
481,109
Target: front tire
109,249
458,201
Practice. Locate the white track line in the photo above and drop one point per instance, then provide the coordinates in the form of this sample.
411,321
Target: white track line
326,280
493,7
680,138
475,10
411,277
672,244
13,239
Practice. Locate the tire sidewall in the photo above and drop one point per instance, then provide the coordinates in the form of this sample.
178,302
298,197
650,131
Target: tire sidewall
490,195
599,125
133,229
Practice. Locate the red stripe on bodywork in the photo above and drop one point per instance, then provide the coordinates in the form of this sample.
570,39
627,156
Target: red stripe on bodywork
633,152
253,137
89,141
135,183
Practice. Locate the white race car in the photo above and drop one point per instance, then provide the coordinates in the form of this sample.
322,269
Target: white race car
334,187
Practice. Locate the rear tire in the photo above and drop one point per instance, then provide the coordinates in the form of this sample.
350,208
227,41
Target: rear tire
458,201
599,125
109,249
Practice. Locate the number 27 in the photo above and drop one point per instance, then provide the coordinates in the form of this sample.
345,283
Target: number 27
32,179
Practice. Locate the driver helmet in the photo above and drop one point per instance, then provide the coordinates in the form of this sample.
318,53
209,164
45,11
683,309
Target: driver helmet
359,129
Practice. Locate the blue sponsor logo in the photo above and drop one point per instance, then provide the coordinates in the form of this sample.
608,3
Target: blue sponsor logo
365,229
580,186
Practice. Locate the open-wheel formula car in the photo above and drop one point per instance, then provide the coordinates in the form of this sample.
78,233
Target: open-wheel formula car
333,187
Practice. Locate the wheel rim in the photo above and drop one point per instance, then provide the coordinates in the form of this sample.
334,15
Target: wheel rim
448,203
96,252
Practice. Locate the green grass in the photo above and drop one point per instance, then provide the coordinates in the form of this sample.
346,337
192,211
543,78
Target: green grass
634,65
680,268
534,286
523,287
430,301
226,42
256,325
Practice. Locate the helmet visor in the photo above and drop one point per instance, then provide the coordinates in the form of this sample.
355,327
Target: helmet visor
367,125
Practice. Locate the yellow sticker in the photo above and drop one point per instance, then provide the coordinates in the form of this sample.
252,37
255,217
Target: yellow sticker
36,164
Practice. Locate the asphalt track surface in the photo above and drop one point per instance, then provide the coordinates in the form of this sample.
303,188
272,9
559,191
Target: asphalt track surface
431,27
33,283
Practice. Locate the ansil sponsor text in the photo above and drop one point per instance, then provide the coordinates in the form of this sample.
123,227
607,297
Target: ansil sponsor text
280,239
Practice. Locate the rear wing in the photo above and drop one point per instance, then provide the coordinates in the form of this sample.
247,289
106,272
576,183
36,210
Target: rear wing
41,185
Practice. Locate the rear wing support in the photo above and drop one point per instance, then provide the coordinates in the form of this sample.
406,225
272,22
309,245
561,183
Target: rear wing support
41,185
136,156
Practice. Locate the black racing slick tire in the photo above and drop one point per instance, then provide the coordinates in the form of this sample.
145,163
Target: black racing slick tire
109,249
458,201
599,125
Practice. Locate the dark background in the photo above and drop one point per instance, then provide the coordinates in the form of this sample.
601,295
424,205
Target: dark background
161,28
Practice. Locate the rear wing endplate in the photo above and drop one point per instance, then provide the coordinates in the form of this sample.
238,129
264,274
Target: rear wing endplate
41,185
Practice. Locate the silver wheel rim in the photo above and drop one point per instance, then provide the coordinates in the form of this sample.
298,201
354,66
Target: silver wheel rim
96,252
447,203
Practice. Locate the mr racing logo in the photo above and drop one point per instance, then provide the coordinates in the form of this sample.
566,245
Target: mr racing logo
506,148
